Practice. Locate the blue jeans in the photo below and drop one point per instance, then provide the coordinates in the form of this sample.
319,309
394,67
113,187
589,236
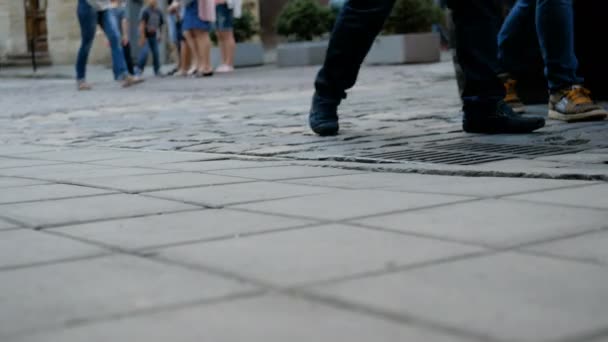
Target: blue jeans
88,18
360,21
151,44
553,23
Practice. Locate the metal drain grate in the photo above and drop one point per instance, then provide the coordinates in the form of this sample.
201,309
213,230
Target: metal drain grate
466,153
436,157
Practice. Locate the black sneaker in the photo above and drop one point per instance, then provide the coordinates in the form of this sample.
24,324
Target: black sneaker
503,121
323,118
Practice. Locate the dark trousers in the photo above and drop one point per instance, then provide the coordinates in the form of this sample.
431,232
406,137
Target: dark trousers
126,49
477,25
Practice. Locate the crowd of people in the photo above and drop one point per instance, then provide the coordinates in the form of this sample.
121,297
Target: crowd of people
189,24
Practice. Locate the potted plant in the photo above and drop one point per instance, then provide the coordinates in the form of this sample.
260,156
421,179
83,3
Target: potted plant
407,36
248,53
303,23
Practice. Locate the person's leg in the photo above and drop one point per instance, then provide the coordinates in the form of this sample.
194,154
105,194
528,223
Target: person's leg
356,28
477,23
185,58
153,42
224,28
142,59
126,49
203,45
87,18
110,27
191,42
568,101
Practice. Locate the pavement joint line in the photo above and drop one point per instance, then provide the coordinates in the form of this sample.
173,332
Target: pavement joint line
549,255
564,187
24,186
597,335
57,198
76,223
295,178
54,261
563,205
18,223
29,166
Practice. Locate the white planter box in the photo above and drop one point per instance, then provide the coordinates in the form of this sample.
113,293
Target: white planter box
246,55
405,48
301,54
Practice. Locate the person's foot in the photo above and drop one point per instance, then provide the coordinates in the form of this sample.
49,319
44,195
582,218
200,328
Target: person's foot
84,86
131,81
502,121
575,104
323,117
224,68
202,73
173,72
192,72
511,97
160,74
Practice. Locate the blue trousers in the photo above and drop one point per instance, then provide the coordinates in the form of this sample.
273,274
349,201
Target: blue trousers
151,44
545,23
89,18
477,25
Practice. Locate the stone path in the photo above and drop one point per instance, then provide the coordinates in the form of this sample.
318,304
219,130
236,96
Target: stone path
204,210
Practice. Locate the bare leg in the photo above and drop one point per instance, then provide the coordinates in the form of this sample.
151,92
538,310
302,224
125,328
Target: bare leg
192,46
185,59
203,45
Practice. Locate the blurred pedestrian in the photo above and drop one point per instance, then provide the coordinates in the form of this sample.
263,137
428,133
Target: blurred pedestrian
553,25
226,11
90,14
118,9
150,33
198,18
476,23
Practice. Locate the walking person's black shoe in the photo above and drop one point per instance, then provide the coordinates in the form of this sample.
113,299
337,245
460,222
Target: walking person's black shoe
323,118
502,121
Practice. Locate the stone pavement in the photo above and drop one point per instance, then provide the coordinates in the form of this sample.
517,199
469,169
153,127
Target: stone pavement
204,210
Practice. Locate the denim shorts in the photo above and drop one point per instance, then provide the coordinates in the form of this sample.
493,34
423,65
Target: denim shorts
223,18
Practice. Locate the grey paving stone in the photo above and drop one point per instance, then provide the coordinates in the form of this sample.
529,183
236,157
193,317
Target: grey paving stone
595,196
472,186
55,295
315,254
495,222
74,172
508,296
83,155
284,172
6,163
46,192
268,319
165,229
24,246
591,247
10,182
158,182
348,204
21,149
6,225
239,193
211,165
77,210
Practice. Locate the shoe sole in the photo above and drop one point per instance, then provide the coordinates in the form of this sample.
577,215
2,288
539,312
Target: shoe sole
594,115
132,83
520,110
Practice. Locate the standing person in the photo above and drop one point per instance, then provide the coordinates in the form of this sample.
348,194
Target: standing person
553,23
118,9
198,18
90,13
477,25
150,26
226,11
173,27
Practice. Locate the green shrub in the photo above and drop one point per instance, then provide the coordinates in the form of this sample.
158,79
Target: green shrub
245,27
413,16
304,20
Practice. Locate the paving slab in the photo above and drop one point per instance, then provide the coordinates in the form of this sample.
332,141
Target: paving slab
212,165
78,210
83,155
55,295
509,297
269,319
4,225
499,223
46,192
349,204
589,247
156,182
224,195
22,247
284,172
595,196
149,158
187,227
7,163
21,149
74,172
471,186
11,182
316,254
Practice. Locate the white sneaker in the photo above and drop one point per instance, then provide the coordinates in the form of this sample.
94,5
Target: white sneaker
224,69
